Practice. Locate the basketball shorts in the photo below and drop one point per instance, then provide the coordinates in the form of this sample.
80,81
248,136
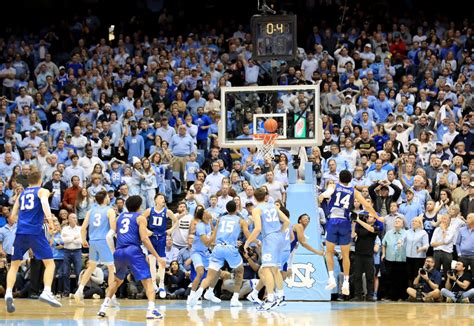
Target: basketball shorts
37,242
131,258
338,231
99,252
284,258
200,258
271,250
159,243
223,253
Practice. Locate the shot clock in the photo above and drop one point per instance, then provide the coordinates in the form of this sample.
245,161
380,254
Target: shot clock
274,37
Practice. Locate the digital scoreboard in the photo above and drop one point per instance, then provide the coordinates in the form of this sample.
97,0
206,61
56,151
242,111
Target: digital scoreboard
274,37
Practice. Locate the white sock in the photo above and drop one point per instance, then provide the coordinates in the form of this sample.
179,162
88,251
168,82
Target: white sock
346,278
9,292
254,292
279,294
114,297
270,297
106,301
235,296
151,305
80,289
211,290
331,274
47,289
161,275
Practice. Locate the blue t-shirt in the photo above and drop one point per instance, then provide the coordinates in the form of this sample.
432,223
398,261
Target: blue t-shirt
191,169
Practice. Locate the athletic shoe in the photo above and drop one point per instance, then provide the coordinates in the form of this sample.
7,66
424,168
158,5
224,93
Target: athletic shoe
102,310
210,296
49,299
331,284
193,300
449,300
465,300
161,293
235,303
267,305
254,298
10,305
114,302
78,296
345,288
281,301
153,314
188,300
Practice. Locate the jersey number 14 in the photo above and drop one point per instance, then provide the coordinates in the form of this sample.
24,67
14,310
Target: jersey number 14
344,201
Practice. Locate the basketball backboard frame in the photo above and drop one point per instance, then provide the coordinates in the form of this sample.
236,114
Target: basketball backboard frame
281,142
268,116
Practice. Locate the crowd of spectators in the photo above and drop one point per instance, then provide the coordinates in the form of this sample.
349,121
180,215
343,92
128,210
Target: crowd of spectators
139,115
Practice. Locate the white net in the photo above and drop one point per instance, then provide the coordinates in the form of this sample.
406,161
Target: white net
265,144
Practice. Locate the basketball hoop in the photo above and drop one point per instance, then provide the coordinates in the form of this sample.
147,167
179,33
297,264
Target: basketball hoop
265,144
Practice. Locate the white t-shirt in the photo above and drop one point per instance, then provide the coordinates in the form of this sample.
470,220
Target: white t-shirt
181,233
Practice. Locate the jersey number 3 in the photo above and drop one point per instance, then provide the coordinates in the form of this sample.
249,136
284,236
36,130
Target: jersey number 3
344,201
125,226
27,202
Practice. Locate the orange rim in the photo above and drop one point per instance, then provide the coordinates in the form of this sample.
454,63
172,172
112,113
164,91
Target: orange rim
268,139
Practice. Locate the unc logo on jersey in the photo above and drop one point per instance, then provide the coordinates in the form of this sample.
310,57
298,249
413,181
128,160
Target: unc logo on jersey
302,276
267,257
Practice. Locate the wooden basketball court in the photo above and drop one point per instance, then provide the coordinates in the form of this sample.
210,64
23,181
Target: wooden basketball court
132,312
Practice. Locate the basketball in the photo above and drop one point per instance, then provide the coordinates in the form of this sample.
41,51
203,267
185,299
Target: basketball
270,125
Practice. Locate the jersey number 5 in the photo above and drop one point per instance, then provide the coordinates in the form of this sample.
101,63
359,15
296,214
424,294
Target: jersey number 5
27,202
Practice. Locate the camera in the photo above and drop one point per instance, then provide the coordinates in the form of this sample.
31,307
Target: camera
422,271
362,216
451,272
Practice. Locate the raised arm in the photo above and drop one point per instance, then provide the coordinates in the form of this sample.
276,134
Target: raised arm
358,196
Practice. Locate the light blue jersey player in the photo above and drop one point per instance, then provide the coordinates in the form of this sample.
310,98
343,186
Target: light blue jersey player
271,222
228,231
101,243
157,218
131,228
203,239
30,209
341,198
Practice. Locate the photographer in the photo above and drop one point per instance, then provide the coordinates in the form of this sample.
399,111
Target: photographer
426,285
251,267
365,231
457,285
